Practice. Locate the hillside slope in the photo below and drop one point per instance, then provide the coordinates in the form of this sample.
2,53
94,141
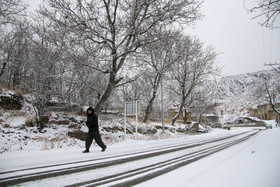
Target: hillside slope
229,87
237,93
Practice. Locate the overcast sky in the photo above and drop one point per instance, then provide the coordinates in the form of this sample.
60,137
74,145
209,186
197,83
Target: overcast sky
244,45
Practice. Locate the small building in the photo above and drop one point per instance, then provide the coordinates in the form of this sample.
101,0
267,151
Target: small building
265,112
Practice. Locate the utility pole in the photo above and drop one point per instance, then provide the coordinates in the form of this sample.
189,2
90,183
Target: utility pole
162,112
273,66
161,88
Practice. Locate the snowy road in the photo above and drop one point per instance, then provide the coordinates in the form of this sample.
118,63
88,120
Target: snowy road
253,163
120,165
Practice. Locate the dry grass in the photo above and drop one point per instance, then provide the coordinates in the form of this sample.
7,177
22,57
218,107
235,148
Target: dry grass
30,121
16,90
6,125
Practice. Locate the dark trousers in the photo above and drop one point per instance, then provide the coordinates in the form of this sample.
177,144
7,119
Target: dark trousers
96,136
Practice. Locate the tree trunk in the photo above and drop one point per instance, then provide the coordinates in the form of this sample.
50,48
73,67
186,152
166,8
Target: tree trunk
180,110
3,68
150,105
149,108
106,94
186,117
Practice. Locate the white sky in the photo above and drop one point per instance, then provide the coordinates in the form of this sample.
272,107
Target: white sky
244,45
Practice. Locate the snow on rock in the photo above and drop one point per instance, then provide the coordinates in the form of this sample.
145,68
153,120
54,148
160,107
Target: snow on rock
10,100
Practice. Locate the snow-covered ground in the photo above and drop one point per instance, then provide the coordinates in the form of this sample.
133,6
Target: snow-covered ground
254,163
34,158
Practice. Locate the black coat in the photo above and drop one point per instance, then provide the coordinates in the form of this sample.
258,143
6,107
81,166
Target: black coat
92,122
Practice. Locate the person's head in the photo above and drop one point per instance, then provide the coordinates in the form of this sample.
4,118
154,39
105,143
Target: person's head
90,111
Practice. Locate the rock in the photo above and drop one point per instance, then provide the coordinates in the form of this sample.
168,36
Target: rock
181,130
60,122
73,119
151,131
45,120
78,134
74,126
10,100
29,123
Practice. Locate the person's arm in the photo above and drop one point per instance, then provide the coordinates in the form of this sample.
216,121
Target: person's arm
95,122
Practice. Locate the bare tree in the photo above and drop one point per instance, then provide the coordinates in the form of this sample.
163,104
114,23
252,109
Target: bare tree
269,91
110,31
160,56
14,54
10,10
203,105
272,92
269,9
45,69
196,64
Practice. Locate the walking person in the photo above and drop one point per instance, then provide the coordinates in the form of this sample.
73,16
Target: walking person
93,130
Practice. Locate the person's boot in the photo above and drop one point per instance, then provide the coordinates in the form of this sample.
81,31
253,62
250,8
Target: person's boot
104,148
86,151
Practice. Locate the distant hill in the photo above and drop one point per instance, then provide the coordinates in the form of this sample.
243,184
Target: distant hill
237,93
228,87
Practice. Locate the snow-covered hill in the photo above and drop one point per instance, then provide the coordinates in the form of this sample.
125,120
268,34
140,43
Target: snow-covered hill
228,87
237,93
